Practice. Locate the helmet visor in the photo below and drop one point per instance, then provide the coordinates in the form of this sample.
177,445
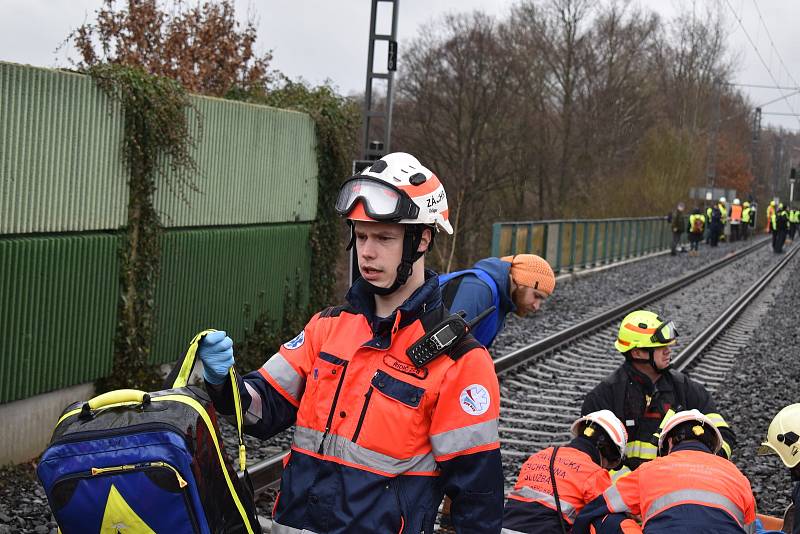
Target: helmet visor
665,333
382,201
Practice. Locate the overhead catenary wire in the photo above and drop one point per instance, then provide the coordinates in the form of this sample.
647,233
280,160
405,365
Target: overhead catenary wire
758,53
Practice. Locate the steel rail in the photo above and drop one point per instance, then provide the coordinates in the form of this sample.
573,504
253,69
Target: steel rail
705,338
266,473
554,341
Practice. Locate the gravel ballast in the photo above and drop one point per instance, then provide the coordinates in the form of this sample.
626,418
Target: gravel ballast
765,380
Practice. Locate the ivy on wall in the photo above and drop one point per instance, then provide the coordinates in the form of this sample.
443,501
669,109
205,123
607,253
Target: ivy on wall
157,144
337,123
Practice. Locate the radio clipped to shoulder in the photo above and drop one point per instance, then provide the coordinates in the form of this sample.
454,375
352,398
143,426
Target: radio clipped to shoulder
443,337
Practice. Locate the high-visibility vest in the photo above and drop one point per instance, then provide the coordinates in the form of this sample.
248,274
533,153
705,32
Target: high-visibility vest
736,214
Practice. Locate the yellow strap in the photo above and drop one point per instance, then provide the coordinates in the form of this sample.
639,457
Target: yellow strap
237,408
188,362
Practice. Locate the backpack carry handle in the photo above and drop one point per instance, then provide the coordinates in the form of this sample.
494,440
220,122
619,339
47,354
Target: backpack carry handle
118,396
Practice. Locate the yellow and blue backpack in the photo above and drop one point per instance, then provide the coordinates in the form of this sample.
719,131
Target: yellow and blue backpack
130,461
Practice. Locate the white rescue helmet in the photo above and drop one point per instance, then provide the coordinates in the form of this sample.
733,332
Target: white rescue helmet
609,422
396,188
704,424
783,436
722,199
736,201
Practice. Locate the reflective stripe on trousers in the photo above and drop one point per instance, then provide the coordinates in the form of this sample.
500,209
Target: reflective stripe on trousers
344,449
695,496
567,509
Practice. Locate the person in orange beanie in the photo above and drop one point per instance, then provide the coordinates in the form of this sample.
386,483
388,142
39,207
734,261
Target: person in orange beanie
518,284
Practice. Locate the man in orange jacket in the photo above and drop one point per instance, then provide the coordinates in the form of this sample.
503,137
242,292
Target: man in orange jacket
379,437
555,483
687,489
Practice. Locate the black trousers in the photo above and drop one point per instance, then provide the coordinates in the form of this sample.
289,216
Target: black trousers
778,239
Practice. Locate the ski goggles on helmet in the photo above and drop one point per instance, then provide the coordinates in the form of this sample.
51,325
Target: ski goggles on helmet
381,201
665,333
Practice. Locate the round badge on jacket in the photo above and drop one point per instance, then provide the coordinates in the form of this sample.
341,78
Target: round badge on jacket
475,399
297,342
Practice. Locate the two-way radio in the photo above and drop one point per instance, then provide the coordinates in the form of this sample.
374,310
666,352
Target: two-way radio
443,336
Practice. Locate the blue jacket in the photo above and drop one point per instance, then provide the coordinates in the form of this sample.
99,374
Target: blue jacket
473,296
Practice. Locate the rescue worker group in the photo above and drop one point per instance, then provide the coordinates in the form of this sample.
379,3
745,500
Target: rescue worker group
721,222
396,403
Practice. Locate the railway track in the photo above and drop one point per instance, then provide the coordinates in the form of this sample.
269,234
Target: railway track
541,391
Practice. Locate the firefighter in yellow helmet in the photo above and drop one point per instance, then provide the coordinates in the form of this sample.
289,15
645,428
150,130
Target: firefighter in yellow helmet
643,392
783,439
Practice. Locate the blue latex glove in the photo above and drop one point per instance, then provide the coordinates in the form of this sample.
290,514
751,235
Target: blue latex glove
216,353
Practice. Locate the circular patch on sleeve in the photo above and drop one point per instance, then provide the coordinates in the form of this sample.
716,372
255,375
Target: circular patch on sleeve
297,342
475,399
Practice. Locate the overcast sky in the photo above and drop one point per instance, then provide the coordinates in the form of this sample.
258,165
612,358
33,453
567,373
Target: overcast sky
327,39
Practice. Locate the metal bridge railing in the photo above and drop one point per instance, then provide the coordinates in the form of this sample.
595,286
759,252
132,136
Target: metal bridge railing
568,244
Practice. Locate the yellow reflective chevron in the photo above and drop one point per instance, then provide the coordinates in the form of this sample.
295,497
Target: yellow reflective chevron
718,420
727,449
641,449
119,517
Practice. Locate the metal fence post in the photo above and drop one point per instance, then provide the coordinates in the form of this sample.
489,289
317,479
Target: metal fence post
572,242
584,244
605,242
558,248
496,230
545,230
529,241
595,232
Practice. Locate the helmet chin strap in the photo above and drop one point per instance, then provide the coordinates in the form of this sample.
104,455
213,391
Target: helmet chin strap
411,240
652,360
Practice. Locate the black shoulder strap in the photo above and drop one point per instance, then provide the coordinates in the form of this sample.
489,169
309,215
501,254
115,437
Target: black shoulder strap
449,291
555,489
466,344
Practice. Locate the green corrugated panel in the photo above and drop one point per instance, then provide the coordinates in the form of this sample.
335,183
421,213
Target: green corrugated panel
257,165
58,299
210,277
60,168
60,165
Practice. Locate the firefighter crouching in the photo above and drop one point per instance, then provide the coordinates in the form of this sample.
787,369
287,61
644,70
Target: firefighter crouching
378,440
538,505
688,489
643,391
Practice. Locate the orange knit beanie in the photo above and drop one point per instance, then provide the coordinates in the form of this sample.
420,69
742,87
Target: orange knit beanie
530,270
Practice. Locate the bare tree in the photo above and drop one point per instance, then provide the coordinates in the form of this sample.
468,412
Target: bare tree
202,47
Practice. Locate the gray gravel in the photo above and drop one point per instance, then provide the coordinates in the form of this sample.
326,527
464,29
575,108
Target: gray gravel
749,403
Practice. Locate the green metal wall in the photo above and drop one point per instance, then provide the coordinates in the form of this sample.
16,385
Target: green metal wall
224,278
58,301
231,241
59,296
60,168
60,165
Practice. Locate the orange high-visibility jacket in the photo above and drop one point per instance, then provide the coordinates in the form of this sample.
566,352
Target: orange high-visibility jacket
579,479
377,440
689,490
736,214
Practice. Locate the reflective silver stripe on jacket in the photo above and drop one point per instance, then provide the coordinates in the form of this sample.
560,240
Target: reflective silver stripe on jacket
696,496
509,531
284,374
567,509
614,500
344,449
461,439
253,414
277,528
